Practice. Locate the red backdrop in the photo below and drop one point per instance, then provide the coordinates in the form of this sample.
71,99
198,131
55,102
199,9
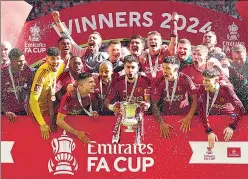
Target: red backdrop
120,19
31,153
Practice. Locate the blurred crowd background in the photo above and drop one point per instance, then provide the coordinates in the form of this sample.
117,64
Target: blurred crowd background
45,7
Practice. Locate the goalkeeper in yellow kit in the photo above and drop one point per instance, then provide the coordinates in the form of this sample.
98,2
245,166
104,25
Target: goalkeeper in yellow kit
43,88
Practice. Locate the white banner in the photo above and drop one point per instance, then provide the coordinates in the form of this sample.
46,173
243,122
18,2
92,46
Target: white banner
222,153
6,147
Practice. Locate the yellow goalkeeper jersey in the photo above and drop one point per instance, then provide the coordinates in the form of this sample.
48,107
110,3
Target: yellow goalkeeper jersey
40,96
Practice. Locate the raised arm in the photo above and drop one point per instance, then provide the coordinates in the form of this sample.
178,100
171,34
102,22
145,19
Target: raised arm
75,49
174,36
62,29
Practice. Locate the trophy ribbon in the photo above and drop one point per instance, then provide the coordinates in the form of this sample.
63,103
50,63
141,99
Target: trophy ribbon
138,132
140,129
117,130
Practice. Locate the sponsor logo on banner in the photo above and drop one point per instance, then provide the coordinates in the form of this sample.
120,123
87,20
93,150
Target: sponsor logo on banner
232,38
222,153
35,46
63,161
6,147
233,152
127,155
209,154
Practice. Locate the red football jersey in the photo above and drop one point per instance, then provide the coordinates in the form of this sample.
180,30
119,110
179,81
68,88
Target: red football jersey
184,85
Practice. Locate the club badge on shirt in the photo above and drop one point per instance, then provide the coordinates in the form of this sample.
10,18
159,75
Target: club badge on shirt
139,90
148,91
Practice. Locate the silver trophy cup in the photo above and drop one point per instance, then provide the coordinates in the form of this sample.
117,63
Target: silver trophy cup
129,116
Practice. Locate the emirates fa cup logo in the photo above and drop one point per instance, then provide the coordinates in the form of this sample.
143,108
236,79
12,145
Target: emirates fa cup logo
63,162
233,32
34,37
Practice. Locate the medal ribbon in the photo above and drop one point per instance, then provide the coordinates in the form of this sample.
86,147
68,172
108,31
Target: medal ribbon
213,101
89,113
134,86
101,90
13,83
155,68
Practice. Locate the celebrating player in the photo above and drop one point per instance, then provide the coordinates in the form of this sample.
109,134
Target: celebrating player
43,89
16,81
184,52
5,48
69,77
90,55
151,60
131,87
84,103
103,82
217,99
240,60
136,45
114,50
171,89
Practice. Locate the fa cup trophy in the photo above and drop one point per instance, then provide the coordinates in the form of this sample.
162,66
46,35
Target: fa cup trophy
131,117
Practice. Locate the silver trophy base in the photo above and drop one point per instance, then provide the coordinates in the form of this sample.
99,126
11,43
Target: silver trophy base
129,129
130,124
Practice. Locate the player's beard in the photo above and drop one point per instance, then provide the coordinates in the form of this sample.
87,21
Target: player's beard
173,76
210,88
106,79
131,77
239,63
76,72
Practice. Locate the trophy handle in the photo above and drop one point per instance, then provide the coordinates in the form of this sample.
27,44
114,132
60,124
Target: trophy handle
55,145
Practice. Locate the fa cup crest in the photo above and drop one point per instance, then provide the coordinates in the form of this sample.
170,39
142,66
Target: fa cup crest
34,37
233,32
63,162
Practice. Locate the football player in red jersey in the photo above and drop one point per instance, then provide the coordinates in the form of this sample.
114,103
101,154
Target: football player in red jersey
151,60
217,99
84,103
131,87
171,89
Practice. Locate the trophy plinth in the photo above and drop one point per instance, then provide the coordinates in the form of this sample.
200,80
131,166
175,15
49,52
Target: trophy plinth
129,117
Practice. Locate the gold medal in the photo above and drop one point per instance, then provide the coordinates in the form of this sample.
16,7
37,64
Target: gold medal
53,98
